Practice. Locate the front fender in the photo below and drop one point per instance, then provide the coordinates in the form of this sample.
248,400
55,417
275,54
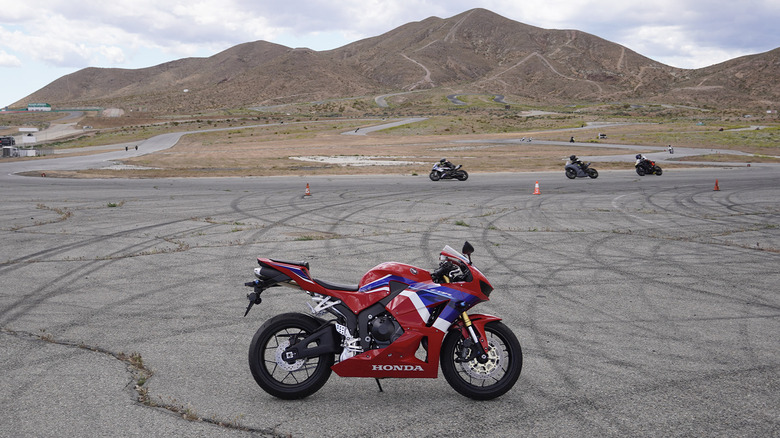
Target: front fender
479,321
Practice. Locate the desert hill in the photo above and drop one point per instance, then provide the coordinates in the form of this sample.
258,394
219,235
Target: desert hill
476,51
754,79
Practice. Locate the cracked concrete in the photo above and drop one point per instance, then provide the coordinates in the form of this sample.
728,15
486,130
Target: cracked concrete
645,306
59,389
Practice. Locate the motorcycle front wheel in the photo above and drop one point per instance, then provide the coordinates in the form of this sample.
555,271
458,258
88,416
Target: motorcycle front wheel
278,377
462,175
482,381
434,176
571,173
640,171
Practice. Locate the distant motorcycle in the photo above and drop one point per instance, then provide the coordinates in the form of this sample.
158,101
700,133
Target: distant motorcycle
648,167
580,170
440,172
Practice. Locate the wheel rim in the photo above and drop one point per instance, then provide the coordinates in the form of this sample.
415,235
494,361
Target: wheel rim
283,364
487,370
490,372
279,369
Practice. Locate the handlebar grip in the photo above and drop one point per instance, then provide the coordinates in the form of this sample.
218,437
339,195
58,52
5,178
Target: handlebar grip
445,268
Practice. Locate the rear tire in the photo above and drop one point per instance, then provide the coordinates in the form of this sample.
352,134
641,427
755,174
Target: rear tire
462,175
658,170
276,376
593,173
491,379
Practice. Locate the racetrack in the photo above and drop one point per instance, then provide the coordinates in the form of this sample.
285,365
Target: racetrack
646,306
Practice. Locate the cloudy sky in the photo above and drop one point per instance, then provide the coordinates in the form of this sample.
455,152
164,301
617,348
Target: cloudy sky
42,40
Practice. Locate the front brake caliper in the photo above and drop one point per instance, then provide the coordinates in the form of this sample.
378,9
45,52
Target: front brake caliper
467,352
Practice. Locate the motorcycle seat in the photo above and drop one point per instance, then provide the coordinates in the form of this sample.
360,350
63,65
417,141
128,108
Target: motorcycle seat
301,264
336,286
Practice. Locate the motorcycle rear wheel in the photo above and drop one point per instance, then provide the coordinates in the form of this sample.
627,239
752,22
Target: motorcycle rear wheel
483,381
278,377
593,173
462,175
434,176
658,170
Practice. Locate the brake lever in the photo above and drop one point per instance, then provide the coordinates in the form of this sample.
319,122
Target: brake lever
438,274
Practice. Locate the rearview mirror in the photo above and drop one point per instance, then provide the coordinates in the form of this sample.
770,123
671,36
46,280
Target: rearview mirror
467,250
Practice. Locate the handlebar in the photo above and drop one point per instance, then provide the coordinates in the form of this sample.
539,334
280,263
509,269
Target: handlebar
455,272
444,268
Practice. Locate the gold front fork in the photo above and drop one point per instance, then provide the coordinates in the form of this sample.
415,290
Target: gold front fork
473,333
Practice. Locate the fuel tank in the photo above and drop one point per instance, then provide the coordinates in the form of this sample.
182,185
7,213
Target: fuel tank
394,269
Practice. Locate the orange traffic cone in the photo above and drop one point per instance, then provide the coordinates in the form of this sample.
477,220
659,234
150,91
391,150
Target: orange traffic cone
308,192
536,189
716,186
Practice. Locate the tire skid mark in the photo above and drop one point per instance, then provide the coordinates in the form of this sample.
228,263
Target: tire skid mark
529,290
35,297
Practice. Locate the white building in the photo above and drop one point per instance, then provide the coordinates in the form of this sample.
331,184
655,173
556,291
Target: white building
38,107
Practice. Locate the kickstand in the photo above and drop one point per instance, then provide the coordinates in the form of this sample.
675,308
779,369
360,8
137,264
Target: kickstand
379,385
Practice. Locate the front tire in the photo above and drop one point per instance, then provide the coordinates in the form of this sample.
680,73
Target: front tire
483,381
571,173
278,377
640,171
434,176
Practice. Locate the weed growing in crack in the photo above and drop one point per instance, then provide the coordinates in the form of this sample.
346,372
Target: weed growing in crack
141,374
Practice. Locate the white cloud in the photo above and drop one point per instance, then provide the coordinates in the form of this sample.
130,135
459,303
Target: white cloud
59,52
140,33
107,33
7,60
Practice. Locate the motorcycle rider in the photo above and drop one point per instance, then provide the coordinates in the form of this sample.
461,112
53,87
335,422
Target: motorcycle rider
574,160
640,160
446,165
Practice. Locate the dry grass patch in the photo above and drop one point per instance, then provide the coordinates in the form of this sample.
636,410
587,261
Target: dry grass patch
728,158
249,153
266,150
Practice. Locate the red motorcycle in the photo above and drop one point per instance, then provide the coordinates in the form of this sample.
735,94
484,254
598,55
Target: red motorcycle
399,321
647,167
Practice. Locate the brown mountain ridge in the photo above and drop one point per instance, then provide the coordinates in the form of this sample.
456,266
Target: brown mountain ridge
477,51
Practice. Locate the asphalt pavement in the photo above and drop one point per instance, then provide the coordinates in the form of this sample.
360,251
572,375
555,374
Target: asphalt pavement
645,306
